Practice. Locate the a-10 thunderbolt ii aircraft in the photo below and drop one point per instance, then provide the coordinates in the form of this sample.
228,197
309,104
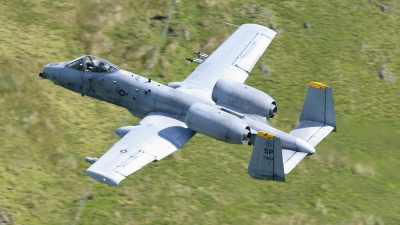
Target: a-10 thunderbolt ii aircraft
212,100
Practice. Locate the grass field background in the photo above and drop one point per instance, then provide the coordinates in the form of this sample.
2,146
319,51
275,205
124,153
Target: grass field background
47,131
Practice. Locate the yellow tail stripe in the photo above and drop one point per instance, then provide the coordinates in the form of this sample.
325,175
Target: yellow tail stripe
265,135
317,85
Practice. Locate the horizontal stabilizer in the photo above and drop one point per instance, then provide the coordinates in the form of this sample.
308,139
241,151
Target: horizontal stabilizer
312,132
266,161
291,159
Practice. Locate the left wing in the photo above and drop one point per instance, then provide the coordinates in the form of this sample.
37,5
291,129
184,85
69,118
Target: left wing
235,58
157,136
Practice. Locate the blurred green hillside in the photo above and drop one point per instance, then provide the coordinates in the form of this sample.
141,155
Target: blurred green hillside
46,131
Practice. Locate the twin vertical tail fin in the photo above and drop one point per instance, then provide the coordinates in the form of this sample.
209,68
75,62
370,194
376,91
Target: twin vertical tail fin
317,117
269,161
266,161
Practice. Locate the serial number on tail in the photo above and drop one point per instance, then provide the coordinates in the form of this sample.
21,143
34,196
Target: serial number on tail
268,158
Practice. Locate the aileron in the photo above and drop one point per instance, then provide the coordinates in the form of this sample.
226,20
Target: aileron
253,51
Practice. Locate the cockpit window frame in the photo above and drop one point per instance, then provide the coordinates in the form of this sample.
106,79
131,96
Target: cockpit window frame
84,68
106,61
71,64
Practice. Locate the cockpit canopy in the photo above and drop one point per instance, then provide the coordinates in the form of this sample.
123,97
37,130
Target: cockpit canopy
91,63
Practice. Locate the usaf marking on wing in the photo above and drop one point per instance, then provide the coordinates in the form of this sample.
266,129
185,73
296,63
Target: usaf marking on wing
212,100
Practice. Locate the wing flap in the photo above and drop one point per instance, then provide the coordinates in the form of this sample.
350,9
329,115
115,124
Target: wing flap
134,163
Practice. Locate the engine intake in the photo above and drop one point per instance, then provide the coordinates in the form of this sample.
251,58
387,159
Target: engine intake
217,124
243,98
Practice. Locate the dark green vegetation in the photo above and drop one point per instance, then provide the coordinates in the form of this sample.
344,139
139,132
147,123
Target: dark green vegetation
46,131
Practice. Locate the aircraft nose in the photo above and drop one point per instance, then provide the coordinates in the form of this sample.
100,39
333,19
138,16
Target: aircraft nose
50,71
46,72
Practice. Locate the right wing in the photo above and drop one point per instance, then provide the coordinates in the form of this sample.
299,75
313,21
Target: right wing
235,58
157,136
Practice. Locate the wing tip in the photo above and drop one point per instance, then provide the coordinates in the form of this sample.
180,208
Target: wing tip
111,178
261,27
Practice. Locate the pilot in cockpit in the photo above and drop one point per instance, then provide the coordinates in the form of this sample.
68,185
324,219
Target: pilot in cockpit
97,66
91,65
103,67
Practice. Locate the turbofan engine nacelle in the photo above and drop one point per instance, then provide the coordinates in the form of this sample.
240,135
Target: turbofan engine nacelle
217,124
243,98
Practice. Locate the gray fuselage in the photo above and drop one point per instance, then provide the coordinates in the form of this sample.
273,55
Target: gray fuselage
142,96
